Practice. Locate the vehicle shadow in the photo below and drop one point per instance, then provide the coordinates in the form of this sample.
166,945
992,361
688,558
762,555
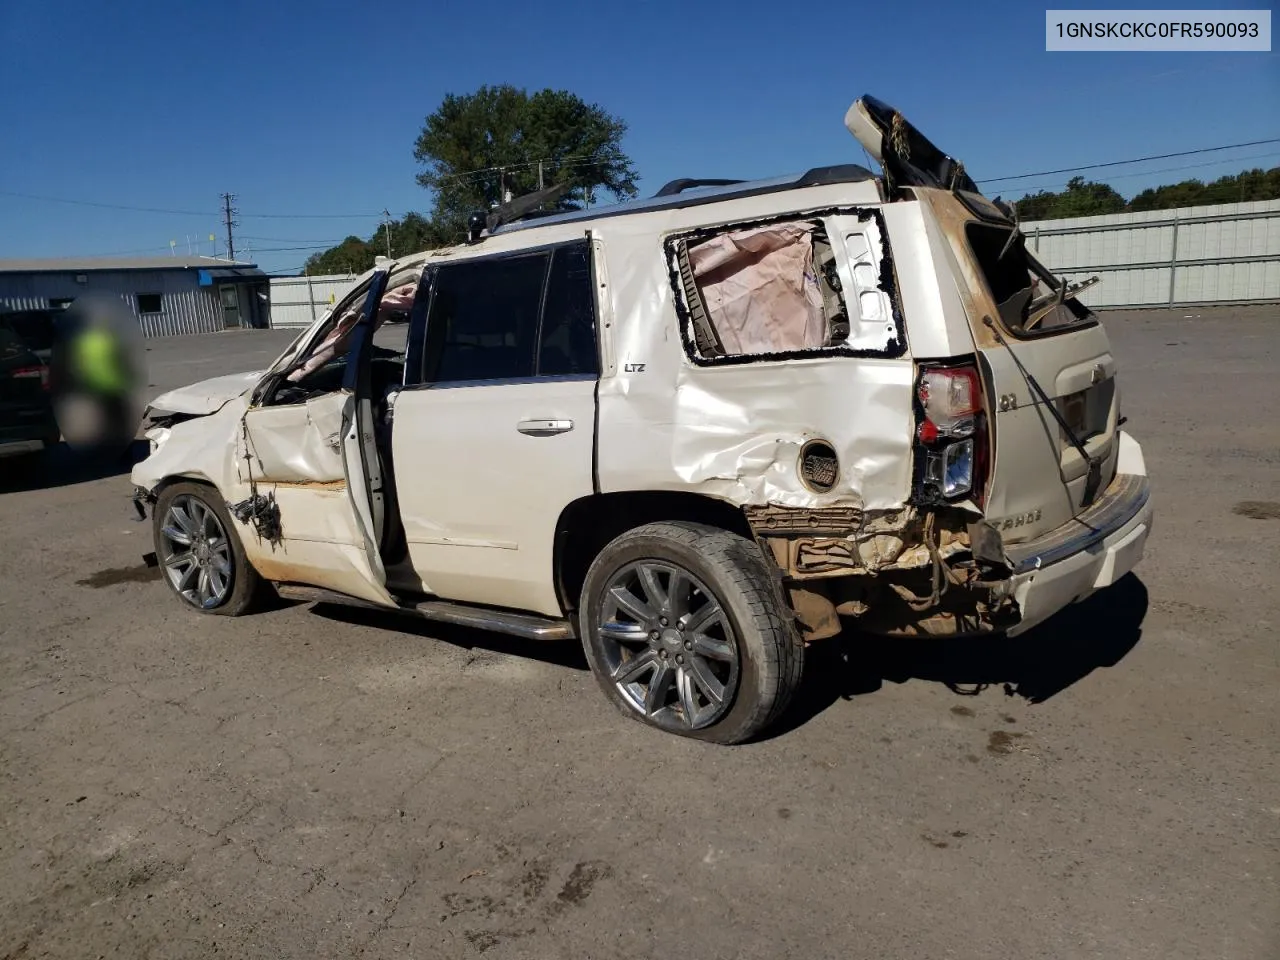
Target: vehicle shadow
1036,666
61,466
1097,632
563,653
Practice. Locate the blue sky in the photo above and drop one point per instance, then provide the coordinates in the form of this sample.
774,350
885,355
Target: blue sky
312,108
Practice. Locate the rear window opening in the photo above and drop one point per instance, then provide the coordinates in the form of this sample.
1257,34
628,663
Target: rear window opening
1028,296
775,290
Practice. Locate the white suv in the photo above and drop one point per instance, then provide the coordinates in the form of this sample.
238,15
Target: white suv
694,431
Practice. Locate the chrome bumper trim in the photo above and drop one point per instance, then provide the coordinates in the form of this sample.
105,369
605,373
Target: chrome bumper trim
1120,503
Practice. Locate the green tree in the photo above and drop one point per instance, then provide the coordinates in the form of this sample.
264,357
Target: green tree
478,147
1082,198
413,233
1036,206
1254,184
352,255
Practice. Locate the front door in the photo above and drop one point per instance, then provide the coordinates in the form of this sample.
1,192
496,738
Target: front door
317,456
493,434
230,296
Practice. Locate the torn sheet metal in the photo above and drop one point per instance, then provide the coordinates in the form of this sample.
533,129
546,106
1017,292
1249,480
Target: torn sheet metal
202,449
739,432
869,290
206,396
734,431
296,443
262,513
827,542
759,287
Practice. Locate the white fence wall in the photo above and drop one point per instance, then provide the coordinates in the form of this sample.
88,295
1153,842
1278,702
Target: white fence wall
299,301
1228,253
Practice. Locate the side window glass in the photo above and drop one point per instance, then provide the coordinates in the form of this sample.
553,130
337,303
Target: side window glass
483,320
568,342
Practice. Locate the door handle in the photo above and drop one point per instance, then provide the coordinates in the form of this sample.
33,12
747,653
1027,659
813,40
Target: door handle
544,428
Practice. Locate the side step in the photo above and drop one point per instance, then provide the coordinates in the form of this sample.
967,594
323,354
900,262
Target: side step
527,625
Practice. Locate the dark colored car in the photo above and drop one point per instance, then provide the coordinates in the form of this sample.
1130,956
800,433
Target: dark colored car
38,329
27,422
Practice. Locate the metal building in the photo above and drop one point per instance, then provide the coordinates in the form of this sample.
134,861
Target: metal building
168,295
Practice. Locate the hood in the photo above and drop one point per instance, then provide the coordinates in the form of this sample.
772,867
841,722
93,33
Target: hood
207,396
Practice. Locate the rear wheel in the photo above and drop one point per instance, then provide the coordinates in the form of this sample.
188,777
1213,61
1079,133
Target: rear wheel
685,629
200,552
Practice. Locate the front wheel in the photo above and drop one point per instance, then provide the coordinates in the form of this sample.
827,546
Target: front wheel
685,629
200,553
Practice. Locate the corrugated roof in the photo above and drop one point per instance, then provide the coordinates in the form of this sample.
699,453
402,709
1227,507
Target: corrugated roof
91,264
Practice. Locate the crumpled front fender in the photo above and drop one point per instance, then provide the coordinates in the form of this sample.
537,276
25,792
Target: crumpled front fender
203,449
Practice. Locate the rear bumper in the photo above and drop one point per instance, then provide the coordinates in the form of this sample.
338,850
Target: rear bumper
1090,552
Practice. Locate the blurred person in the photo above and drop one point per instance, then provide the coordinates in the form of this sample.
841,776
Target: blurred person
96,373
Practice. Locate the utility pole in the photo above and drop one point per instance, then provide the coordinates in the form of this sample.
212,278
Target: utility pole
228,213
539,174
387,223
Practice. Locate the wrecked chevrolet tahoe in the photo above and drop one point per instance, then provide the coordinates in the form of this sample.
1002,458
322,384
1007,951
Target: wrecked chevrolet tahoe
698,432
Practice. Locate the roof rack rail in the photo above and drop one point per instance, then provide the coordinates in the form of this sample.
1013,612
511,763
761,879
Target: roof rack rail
514,211
836,173
686,183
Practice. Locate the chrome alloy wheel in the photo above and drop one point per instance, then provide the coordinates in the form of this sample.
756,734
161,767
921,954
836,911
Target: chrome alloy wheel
196,554
668,645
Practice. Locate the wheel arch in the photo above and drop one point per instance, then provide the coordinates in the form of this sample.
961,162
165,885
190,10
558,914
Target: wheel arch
588,524
171,479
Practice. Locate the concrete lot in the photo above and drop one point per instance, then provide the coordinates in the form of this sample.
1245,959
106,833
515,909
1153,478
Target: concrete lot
317,782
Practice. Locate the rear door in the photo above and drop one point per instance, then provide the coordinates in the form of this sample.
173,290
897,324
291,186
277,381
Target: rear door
494,432
1027,334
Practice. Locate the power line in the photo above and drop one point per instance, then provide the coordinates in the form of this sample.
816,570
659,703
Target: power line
246,236
106,206
311,246
482,172
1121,163
1149,173
186,213
312,216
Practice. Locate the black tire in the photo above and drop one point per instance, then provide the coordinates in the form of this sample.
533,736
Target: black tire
247,591
732,573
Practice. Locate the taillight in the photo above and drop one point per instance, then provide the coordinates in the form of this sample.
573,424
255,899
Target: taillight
952,433
32,373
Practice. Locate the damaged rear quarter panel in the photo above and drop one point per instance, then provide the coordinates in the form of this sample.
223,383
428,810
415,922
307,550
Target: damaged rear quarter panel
734,431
